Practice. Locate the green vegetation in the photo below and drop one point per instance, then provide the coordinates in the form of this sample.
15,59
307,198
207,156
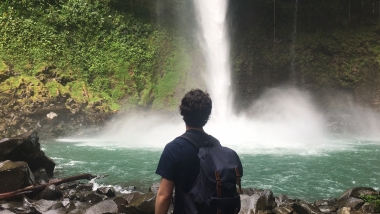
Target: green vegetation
97,50
372,199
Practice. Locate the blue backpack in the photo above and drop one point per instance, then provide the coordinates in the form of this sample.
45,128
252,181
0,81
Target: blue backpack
214,191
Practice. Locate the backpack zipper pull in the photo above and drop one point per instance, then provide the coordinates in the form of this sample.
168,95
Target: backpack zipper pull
218,184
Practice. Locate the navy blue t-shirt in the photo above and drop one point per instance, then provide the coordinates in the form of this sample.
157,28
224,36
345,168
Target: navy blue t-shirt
179,163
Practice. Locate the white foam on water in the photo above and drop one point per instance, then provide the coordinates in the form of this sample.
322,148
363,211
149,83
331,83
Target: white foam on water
117,188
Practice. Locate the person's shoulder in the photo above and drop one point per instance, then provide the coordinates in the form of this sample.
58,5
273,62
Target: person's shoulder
177,143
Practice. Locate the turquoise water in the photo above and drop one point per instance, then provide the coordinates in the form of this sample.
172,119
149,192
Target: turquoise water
318,175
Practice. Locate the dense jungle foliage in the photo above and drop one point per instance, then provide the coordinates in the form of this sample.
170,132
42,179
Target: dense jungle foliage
111,51
127,53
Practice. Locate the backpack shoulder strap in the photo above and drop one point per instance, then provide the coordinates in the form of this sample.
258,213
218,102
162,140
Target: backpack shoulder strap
197,142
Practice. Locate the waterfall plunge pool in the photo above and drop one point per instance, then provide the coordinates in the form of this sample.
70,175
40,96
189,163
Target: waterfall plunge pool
308,175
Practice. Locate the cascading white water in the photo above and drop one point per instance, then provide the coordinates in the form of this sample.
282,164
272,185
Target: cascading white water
280,120
214,40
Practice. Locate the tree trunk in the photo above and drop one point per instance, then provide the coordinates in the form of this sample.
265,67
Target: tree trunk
32,189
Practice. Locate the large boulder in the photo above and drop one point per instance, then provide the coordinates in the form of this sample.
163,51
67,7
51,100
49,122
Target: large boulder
305,208
26,148
14,176
260,200
327,205
352,197
144,203
107,206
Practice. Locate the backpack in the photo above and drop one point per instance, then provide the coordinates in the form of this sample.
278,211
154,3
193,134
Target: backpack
214,191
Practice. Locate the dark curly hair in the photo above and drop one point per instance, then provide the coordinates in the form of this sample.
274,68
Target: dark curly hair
196,108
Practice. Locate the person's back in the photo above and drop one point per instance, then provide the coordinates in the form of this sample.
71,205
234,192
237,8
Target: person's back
179,163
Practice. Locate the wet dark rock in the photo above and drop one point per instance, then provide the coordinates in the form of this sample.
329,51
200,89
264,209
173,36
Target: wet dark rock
71,194
93,197
57,206
108,191
85,187
144,203
64,186
26,147
327,205
51,192
305,208
132,196
130,210
107,206
131,188
367,208
55,212
122,204
249,191
14,176
354,203
40,176
357,192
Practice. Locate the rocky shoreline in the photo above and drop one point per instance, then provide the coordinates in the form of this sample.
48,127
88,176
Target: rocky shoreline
28,185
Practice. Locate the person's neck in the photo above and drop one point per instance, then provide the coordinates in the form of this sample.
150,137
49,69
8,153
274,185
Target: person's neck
195,128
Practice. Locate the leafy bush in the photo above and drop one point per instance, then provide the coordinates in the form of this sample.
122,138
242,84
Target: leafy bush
106,49
372,199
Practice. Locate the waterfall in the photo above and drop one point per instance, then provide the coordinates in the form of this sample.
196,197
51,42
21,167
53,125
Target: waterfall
214,40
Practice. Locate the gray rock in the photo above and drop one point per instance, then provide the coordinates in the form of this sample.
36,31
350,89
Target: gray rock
283,210
107,206
93,197
154,188
281,199
367,208
14,176
44,205
144,202
121,203
327,209
85,187
81,205
6,212
27,148
260,200
357,192
40,176
51,192
55,212
108,191
77,211
305,208
354,203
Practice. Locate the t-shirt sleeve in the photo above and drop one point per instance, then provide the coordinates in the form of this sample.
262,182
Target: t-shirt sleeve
167,166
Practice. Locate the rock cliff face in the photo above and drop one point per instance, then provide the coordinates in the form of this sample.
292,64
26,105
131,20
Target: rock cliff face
315,47
27,104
